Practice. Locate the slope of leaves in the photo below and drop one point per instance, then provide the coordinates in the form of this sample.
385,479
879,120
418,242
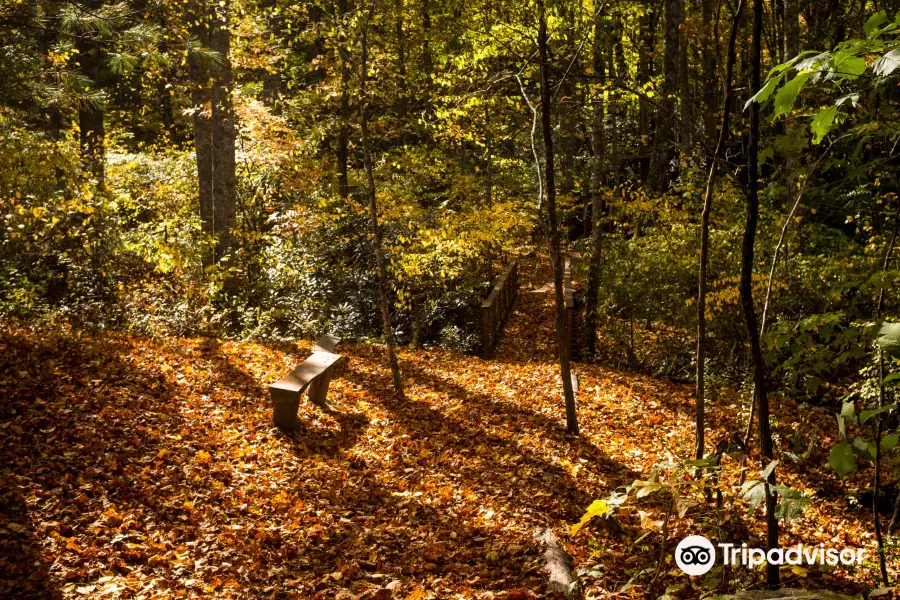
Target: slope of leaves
149,468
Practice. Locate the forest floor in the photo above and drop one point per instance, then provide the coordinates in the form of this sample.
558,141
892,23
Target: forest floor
149,468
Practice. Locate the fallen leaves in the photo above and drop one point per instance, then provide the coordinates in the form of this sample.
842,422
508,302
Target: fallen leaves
149,468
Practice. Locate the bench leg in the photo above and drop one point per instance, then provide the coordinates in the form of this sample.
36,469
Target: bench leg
318,388
284,408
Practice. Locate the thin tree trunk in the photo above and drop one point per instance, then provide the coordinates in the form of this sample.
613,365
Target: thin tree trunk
598,143
746,284
663,134
704,237
567,117
90,115
709,75
553,227
427,61
401,60
202,122
645,72
223,133
879,427
272,81
748,433
343,134
684,83
791,29
377,242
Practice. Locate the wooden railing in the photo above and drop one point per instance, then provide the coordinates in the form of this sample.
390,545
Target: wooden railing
496,308
570,306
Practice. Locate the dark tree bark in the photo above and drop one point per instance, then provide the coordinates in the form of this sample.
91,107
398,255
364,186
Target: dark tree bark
700,417
879,427
202,123
567,116
343,134
377,242
90,115
685,102
272,80
664,133
709,74
401,60
644,73
746,286
553,226
427,61
791,29
598,143
223,133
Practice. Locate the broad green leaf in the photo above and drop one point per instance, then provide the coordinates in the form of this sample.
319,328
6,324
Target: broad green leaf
768,470
892,377
598,508
847,65
889,442
887,64
822,123
764,92
852,98
868,414
786,65
787,95
864,448
873,22
841,459
814,62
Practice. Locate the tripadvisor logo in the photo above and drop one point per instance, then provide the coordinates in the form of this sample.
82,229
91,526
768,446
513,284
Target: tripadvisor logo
696,555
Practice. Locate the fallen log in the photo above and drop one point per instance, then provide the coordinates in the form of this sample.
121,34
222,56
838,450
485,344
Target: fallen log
787,594
558,565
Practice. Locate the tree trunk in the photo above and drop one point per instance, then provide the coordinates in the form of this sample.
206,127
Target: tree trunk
223,133
553,227
343,134
598,143
700,419
567,116
90,115
879,427
663,135
427,62
644,72
746,285
401,61
373,211
709,75
684,84
272,81
791,29
202,122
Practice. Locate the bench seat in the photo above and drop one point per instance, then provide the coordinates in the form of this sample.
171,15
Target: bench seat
314,373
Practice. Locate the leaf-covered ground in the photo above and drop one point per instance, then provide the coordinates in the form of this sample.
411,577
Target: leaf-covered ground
149,468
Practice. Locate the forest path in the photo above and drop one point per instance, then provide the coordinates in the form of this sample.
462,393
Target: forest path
529,335
169,442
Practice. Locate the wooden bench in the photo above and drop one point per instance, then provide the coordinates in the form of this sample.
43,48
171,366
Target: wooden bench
314,373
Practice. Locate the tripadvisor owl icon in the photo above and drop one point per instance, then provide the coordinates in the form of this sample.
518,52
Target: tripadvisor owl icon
695,555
